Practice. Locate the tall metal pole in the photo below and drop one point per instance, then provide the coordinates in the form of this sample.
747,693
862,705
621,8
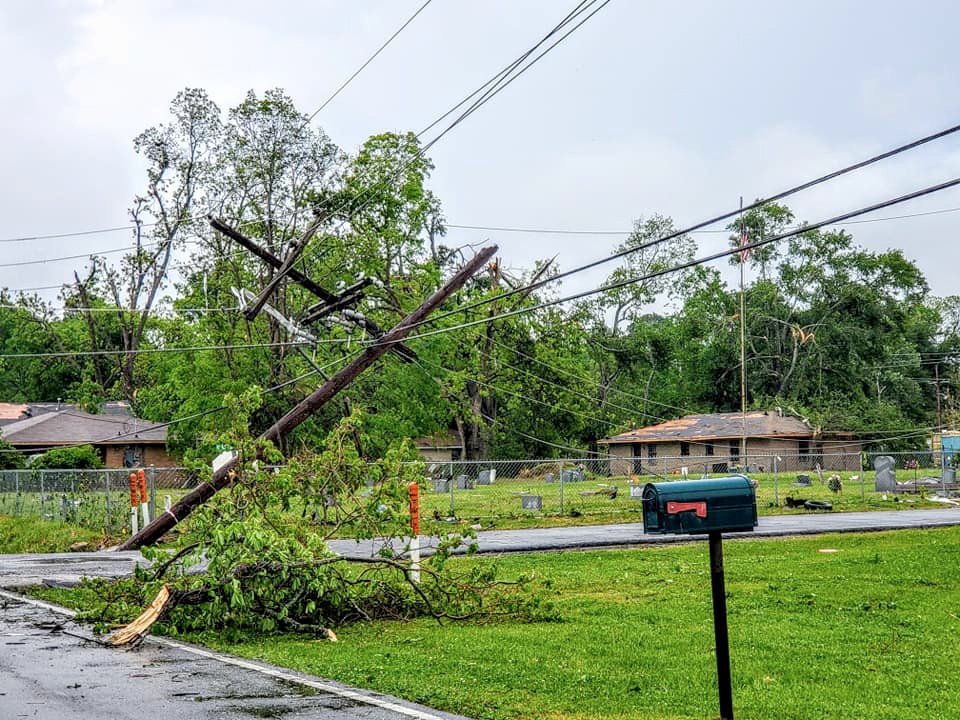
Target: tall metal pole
722,641
743,348
280,429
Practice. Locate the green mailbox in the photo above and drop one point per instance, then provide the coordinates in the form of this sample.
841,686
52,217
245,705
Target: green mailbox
693,507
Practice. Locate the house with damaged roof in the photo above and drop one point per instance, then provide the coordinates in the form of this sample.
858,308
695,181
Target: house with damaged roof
712,444
121,439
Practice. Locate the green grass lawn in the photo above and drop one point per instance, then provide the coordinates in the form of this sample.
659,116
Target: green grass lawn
869,629
33,535
497,505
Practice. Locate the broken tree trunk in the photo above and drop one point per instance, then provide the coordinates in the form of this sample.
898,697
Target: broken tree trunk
322,395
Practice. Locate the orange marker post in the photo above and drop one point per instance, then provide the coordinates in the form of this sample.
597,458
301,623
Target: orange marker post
144,499
134,496
414,489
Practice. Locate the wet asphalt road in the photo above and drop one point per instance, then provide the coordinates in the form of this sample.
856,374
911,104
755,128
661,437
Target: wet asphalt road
50,668
631,534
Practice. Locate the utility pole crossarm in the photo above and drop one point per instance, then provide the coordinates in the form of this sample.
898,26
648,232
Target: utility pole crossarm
295,251
272,260
224,474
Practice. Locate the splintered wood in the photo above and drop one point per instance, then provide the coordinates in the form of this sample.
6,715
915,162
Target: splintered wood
139,628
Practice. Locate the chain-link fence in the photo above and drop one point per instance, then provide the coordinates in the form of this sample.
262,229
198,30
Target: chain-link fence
495,489
95,499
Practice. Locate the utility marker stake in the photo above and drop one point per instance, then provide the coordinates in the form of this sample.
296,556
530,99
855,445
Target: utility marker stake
415,529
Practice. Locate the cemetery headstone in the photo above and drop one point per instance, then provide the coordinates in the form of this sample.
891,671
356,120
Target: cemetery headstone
486,477
531,502
464,482
886,473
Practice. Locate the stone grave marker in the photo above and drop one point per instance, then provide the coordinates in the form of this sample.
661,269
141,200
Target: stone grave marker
886,478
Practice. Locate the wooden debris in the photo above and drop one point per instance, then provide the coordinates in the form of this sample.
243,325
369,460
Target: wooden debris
140,627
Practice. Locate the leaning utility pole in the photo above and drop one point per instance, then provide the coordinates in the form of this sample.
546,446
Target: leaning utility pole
224,474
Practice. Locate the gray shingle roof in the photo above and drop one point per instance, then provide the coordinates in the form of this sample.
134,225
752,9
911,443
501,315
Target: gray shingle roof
718,426
69,427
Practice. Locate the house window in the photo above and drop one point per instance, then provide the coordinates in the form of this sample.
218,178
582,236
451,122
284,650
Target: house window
637,458
734,450
652,454
803,449
708,448
684,449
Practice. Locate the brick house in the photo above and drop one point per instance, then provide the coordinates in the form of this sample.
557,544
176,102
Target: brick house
120,439
711,444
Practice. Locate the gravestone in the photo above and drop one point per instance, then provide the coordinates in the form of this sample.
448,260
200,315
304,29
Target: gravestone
886,469
464,482
441,486
549,478
802,480
567,476
486,477
531,502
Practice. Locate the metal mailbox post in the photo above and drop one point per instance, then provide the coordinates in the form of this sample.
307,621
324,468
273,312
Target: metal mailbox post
706,507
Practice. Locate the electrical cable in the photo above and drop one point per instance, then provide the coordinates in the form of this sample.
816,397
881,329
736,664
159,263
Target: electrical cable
711,221
157,351
368,61
210,411
666,271
620,233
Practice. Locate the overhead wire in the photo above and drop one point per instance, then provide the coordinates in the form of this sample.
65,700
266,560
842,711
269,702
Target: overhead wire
620,233
660,273
711,221
367,62
486,92
210,411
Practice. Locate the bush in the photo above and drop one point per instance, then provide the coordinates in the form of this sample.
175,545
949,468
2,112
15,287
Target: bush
82,457
10,459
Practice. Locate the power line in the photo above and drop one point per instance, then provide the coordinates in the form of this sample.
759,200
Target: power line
309,119
210,411
156,351
620,233
718,218
666,271
486,91
368,61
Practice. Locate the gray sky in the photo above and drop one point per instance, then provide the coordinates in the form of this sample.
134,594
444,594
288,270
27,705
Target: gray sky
652,107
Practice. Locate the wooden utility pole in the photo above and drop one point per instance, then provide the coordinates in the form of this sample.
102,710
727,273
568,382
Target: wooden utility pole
322,395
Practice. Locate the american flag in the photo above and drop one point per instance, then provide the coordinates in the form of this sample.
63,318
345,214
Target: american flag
744,241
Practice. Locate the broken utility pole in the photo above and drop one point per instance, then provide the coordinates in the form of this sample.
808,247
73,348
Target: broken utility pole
330,302
223,476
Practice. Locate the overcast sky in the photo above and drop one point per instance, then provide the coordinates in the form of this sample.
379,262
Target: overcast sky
676,108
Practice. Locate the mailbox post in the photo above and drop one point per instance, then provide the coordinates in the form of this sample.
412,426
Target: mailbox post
722,642
710,507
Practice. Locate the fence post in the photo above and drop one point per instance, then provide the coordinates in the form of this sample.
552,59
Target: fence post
560,480
863,478
17,501
452,482
776,480
42,500
108,515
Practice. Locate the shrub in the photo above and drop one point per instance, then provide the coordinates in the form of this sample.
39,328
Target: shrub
10,459
82,457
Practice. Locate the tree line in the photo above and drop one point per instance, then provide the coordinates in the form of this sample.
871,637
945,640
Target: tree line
848,338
